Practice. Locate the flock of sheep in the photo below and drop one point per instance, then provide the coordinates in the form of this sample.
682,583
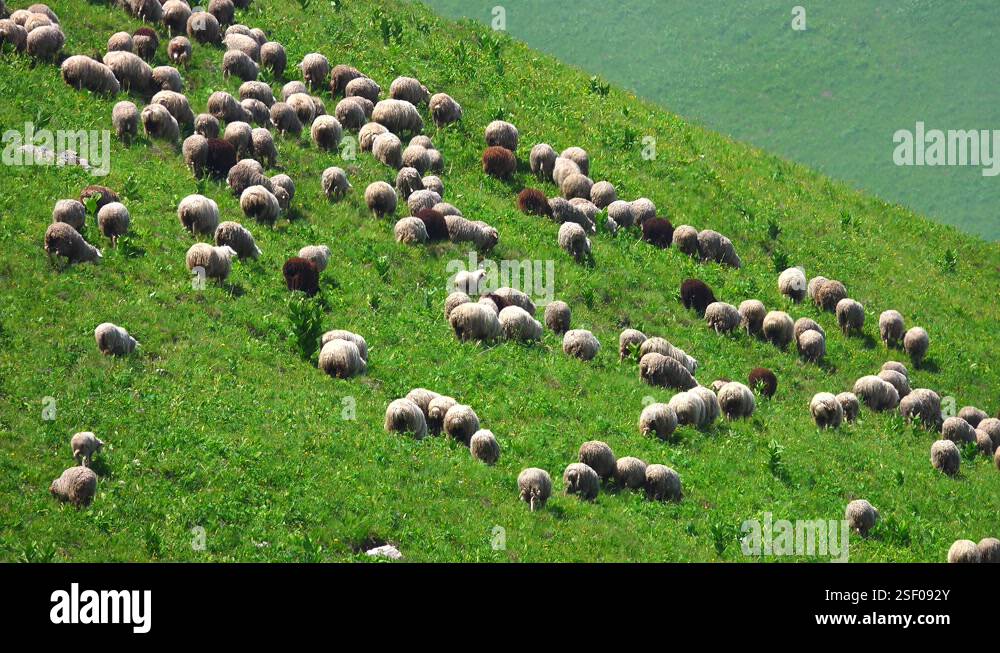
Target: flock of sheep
239,152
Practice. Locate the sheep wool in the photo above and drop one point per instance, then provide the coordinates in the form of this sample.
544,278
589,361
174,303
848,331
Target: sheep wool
581,480
517,324
473,321
630,472
778,328
662,484
826,410
133,73
113,220
499,162
850,316
923,405
989,550
71,212
285,119
359,341
972,415
237,237
236,63
710,401
261,204
454,299
388,150
207,125
335,184
991,426
273,57
812,346
410,231
84,445
341,359
581,344
764,381
958,430
897,380
61,239
984,443
45,42
689,408
175,16
576,185
76,485
829,294
263,146
895,366
214,262
198,214
83,72
696,294
792,284
327,132
665,371
557,317
535,487
628,340
891,327
876,393
915,343
723,317
598,456
659,420
303,106
736,400
484,447
113,340
167,78
503,134
398,116
195,151
945,457
315,68
507,296
11,32
850,405
179,50
423,398
752,312
861,516
964,551
351,113
444,109
407,88
404,416
573,240
416,157
301,275
159,123
643,209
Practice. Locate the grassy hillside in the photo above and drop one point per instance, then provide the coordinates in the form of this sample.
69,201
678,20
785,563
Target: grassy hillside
830,96
216,422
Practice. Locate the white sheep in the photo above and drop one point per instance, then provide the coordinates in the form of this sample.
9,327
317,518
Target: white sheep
318,254
915,343
517,324
891,327
84,445
335,183
484,447
630,472
581,480
534,486
736,400
573,240
659,420
61,239
861,516
500,133
76,485
410,231
404,416
876,393
581,344
214,262
826,410
792,284
723,317
689,407
472,321
850,316
662,483
945,457
113,340
342,359
198,214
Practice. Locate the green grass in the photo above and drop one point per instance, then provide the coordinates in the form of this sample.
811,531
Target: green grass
218,422
830,96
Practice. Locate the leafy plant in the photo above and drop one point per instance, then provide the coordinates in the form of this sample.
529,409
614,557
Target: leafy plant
949,261
773,229
775,461
598,86
780,261
722,535
306,318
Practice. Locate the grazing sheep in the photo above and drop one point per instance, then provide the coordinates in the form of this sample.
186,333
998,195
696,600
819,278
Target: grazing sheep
437,408
388,149
273,57
84,445
896,366
410,231
576,185
444,109
658,419
665,371
246,173
736,400
236,63
482,235
826,410
715,247
133,73
415,156
861,516
45,42
248,45
404,416
643,209
598,456
113,340
689,407
850,316
176,104
408,181
563,168
989,550
260,203
723,317
291,88
778,328
145,42
435,161
628,339
39,8
542,160
253,90
285,183
85,73
167,78
408,89
915,343
752,312
581,344
991,426
970,414
662,483
237,237
422,397
215,262
341,334
71,212
579,156
398,116
318,254
891,327
573,240
433,183
658,232
661,346
301,274
958,430
285,119
207,125
696,294
434,223
849,403
315,68
517,324
557,317
876,393
341,359
685,238
198,214
351,113
473,321
502,134
203,27
898,381
484,447
327,132
16,35
454,299
262,144
220,157
499,162
335,183
923,405
76,485
422,200
562,211
103,194
603,194
507,296
813,286
804,324
812,346
764,381
303,106
964,551
534,486
792,284
113,220
223,10
828,295
630,472
179,50
341,76
581,479
224,107
175,16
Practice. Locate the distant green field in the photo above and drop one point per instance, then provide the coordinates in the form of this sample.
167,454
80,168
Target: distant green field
830,96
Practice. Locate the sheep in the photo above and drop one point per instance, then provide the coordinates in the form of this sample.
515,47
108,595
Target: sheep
581,479
482,235
778,328
620,212
157,122
113,220
764,381
223,10
409,89
484,447
207,125
359,342
576,185
658,232
915,343
461,423
215,262
219,157
989,550
363,87
179,50
542,161
404,416
710,402
444,109
891,327
642,209
198,214
849,403
958,430
45,42
260,203
499,162
812,346
398,116
253,90
422,397
437,408
722,317
381,199
581,344
341,76
736,400
876,393
603,194
972,415
11,32
103,195
446,209
563,168
804,324
133,73
246,173
896,366
630,472
301,274
315,68
70,212
658,419
303,106
898,381
792,284
534,486
829,294
167,78
410,231
991,426
923,405
813,286
861,516
562,211
176,104
273,57
237,237
415,156
335,184
175,16
285,183
113,340
236,63
85,73
517,324
573,240
557,317
145,42
661,370
318,254
262,144
715,247
76,485
248,45
454,299
826,410
752,312
503,134
341,359
327,132
850,316
224,106
689,407
433,183
434,223
964,551
408,181
629,339
661,346
204,28
84,445
474,321
696,294
388,150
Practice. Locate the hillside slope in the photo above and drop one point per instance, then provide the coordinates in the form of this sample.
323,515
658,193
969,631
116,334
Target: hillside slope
218,423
